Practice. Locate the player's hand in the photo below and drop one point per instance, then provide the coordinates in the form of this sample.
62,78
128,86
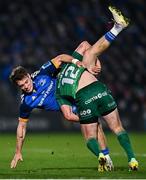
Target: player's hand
17,157
80,64
95,70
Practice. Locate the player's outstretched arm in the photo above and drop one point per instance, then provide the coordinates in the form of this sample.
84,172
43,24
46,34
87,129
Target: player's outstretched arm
58,60
21,130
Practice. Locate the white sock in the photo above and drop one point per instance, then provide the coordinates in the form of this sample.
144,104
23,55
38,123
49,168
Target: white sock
117,28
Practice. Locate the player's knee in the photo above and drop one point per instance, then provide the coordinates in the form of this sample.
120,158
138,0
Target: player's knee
89,136
81,49
85,44
117,129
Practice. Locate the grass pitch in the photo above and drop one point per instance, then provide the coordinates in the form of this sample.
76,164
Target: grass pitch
62,156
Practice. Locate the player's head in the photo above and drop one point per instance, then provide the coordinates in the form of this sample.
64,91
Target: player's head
22,79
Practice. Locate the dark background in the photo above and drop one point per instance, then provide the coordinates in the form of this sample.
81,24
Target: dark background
34,31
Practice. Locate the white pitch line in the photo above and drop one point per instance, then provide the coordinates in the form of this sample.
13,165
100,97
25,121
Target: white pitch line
121,154
44,150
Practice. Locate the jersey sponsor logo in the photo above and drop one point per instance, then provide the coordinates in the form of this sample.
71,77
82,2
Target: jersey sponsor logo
67,81
46,94
86,112
98,96
42,82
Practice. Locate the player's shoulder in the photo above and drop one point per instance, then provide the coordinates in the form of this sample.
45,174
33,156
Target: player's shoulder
23,102
26,99
22,97
35,74
25,107
42,71
46,65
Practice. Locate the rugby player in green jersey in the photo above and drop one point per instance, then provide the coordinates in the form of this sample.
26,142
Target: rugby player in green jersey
92,98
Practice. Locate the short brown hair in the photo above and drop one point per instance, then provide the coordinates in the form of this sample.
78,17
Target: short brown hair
17,74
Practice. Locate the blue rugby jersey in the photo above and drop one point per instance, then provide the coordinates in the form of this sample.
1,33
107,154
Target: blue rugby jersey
43,95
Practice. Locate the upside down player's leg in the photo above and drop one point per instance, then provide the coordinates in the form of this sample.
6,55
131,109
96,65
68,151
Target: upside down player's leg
82,48
104,42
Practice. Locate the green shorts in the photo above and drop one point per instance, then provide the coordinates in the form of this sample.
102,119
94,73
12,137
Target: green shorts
93,101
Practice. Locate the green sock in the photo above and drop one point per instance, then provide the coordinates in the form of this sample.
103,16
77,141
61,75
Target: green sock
125,143
93,146
78,56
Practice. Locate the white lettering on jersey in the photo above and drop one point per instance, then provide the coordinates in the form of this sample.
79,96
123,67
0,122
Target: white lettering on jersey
46,93
98,96
85,113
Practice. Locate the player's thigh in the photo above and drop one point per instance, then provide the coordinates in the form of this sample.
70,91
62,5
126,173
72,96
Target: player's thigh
89,130
83,46
113,121
89,59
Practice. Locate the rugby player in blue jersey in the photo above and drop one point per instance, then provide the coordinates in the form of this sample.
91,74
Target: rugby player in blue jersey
38,89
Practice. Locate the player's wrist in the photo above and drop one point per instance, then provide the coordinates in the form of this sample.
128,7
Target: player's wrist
74,61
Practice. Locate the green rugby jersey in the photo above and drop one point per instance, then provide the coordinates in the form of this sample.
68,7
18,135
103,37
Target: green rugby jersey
67,81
